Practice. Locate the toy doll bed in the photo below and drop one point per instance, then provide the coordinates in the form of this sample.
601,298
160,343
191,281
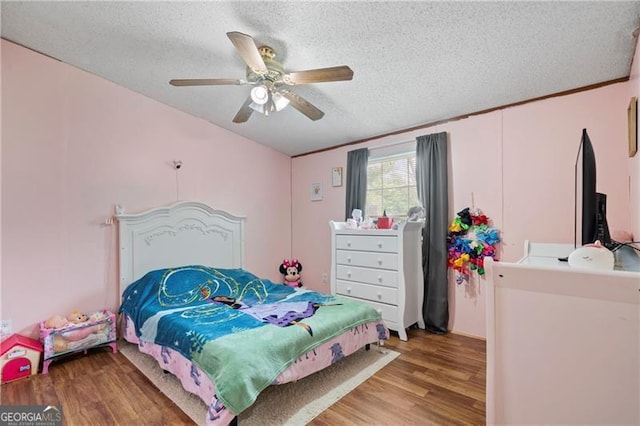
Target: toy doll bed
225,333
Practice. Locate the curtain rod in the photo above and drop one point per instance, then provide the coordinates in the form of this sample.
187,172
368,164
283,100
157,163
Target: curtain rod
386,145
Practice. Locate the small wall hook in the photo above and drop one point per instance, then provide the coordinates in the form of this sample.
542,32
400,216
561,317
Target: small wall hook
177,164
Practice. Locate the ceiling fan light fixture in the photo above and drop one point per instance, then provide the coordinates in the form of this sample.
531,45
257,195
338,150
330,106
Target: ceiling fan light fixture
279,101
260,95
257,108
264,109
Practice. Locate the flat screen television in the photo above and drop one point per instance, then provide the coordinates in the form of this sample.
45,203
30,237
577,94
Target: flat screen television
594,204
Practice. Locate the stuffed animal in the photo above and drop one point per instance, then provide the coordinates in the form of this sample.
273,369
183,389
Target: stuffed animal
79,333
97,316
60,344
592,256
291,270
56,321
78,338
77,317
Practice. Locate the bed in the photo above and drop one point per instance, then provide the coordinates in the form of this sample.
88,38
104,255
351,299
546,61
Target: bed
225,333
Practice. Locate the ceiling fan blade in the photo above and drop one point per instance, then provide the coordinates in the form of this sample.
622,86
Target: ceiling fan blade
320,75
248,50
206,82
244,113
302,105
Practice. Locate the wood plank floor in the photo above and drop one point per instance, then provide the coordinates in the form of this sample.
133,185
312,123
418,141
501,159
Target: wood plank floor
438,380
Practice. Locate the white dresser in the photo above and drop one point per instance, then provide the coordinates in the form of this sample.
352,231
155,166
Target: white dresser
382,268
563,343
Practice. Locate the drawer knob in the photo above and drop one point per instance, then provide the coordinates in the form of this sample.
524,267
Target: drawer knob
379,261
379,311
380,278
348,273
348,243
379,295
349,259
349,290
380,244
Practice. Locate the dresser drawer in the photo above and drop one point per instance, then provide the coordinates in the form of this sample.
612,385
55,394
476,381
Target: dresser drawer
367,291
389,312
367,259
367,275
382,243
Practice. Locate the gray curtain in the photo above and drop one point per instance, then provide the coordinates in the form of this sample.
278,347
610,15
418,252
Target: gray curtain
432,176
356,198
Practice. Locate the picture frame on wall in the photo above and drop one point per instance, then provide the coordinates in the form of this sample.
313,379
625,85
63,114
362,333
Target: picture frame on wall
336,176
632,112
316,191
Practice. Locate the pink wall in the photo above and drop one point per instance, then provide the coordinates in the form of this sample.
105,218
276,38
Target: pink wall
544,138
73,146
634,162
515,164
1,77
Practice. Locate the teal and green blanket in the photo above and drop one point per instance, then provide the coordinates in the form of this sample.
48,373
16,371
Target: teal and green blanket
240,353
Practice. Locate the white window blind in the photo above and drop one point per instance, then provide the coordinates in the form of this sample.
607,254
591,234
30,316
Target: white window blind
391,185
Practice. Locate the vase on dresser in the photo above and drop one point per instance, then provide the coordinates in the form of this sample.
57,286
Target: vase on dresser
381,267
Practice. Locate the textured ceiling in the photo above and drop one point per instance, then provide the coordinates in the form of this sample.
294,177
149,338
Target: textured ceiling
413,62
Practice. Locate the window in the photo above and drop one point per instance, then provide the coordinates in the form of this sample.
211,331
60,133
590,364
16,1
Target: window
391,185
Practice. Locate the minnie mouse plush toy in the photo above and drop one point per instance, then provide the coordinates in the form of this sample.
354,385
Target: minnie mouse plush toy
291,270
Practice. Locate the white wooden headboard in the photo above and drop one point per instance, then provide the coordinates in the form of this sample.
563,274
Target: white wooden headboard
185,233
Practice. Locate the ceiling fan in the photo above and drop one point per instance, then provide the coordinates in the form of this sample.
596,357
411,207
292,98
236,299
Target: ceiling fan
270,92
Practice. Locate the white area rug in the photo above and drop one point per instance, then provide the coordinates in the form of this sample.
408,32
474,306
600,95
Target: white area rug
289,404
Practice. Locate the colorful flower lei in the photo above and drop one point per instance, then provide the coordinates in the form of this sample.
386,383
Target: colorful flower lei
470,239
